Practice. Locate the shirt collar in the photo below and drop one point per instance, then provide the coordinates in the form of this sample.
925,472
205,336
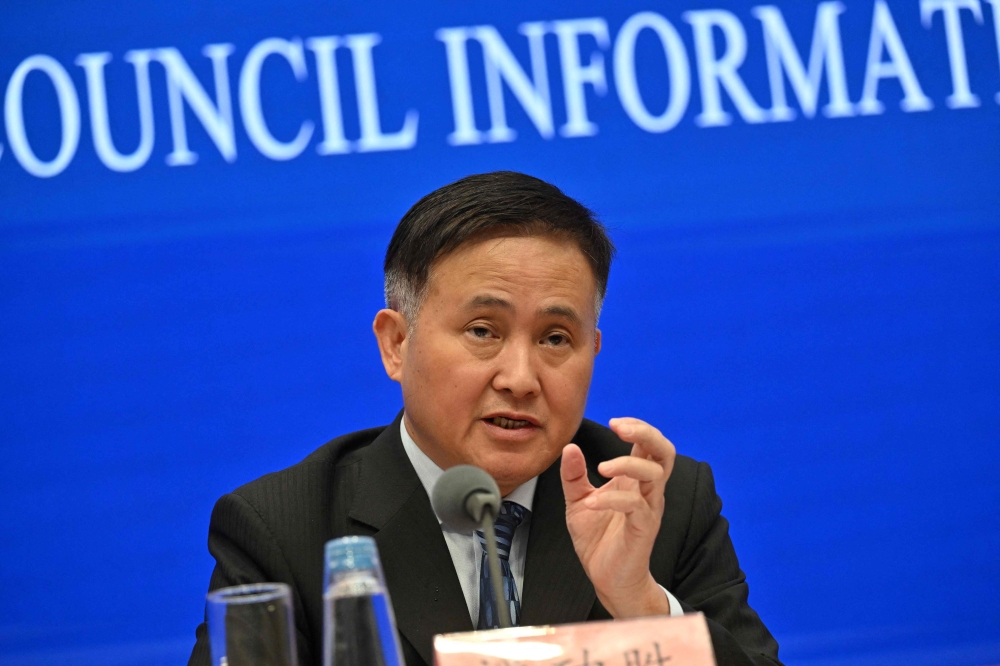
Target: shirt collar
428,472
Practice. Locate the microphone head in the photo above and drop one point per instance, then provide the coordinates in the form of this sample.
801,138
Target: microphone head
452,491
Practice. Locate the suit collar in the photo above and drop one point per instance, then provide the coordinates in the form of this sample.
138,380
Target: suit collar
386,479
426,595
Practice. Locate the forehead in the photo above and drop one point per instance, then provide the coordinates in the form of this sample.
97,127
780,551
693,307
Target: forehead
523,266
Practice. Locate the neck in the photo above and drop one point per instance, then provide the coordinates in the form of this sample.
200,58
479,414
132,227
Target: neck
439,458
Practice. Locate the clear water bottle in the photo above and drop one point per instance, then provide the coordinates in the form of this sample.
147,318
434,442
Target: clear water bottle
359,628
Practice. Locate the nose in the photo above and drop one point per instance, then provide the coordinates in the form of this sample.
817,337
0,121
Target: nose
517,372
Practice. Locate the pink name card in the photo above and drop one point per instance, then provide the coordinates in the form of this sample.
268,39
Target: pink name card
658,641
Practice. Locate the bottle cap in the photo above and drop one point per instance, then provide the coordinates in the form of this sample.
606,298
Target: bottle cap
349,553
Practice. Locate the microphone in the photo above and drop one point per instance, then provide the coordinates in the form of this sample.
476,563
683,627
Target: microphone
467,498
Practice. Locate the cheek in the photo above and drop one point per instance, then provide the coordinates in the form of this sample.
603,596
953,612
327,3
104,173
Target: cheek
567,387
448,378
462,387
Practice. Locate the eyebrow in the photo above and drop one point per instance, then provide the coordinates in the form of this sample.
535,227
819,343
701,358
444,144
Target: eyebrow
490,302
497,302
561,311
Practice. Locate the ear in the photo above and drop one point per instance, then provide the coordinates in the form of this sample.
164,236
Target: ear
391,331
597,341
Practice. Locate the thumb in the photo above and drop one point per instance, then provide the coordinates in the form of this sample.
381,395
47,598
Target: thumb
573,472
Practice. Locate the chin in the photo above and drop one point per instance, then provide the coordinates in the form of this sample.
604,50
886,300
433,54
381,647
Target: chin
510,470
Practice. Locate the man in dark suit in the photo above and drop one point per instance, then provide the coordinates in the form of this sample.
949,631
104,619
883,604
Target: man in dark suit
493,289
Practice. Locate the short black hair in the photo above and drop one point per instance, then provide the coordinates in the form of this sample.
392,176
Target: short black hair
489,204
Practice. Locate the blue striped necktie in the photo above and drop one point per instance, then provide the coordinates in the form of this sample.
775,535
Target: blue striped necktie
511,515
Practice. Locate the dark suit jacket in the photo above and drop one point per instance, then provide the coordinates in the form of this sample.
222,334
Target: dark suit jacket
274,530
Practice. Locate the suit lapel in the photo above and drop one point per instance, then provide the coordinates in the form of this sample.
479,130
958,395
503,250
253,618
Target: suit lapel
556,588
426,595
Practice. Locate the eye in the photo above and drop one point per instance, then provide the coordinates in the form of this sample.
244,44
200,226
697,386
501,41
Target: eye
480,332
556,339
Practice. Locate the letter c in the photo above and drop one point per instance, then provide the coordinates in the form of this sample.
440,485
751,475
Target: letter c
250,107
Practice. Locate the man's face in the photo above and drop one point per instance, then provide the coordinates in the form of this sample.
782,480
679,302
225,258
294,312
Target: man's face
497,369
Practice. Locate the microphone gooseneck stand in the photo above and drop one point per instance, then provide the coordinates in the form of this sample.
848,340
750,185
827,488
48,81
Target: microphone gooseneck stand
468,498
496,577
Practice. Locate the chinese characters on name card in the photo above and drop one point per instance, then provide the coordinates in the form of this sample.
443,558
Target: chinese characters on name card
661,641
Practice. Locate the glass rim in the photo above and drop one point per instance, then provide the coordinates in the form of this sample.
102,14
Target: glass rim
249,594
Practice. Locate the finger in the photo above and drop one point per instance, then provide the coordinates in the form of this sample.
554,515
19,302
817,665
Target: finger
639,469
650,441
622,501
573,472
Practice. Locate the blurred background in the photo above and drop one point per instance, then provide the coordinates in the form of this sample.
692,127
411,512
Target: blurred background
195,199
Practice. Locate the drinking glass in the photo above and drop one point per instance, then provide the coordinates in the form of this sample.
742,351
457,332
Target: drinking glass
252,625
359,628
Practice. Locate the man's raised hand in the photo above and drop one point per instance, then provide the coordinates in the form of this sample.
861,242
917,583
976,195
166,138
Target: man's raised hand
613,527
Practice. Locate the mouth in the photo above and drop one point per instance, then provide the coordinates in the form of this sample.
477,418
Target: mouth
512,421
508,424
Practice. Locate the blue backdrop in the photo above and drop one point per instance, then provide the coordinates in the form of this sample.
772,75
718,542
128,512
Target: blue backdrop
196,197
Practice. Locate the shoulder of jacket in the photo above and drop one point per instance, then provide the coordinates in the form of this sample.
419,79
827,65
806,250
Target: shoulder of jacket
684,480
338,452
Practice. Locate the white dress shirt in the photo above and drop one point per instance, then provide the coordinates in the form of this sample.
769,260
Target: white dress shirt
466,553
